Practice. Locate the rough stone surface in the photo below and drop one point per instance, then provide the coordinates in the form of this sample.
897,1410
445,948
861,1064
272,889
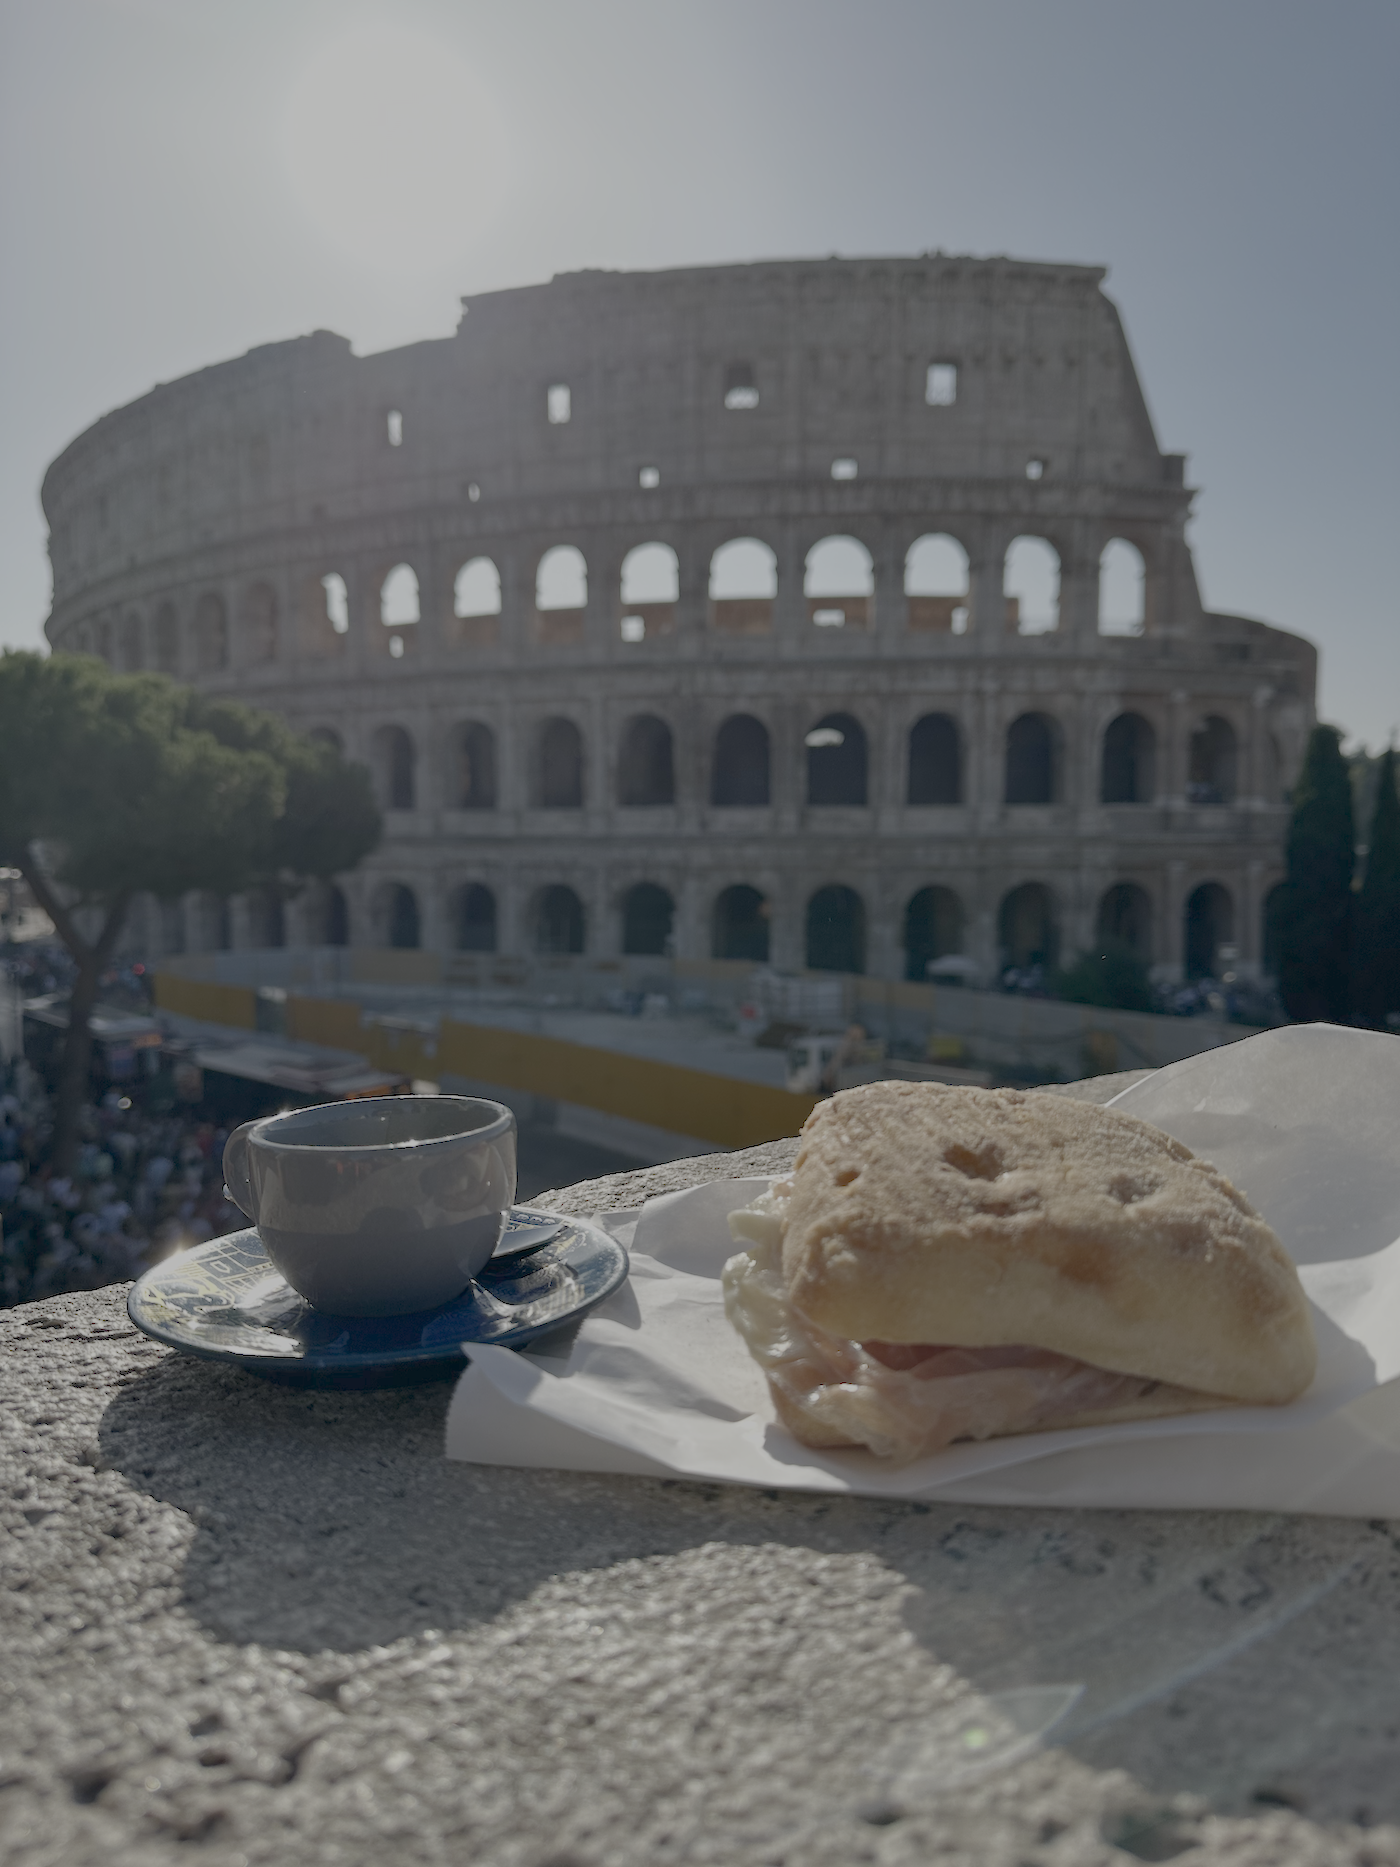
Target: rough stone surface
247,1624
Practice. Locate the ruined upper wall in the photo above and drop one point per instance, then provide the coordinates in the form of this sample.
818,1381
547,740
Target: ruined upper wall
294,434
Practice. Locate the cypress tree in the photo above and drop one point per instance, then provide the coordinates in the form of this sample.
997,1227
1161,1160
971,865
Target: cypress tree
1376,959
1314,908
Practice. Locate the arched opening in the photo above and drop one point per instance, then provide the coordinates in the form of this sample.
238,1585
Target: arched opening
933,927
259,622
839,584
1031,580
395,768
1125,916
401,915
650,590
936,585
1026,928
476,590
935,761
267,918
1122,589
167,639
1128,768
559,921
335,606
333,917
215,920
647,916
1209,925
646,768
1030,760
474,919
743,586
560,768
561,594
211,633
836,763
739,776
836,930
476,766
1210,774
133,656
740,925
398,597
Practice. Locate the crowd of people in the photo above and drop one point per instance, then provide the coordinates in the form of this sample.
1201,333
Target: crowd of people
145,1184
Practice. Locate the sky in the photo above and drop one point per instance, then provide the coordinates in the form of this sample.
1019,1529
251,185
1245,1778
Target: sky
183,179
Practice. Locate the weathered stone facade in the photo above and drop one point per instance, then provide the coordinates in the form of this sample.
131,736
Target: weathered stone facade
548,752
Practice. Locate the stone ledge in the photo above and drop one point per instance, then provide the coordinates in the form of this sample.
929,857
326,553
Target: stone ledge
245,1624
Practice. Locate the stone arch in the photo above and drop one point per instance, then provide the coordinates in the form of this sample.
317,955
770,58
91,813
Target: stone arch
1122,589
559,765
1208,924
933,928
1032,760
211,633
474,918
559,920
258,622
649,590
648,915
1031,581
835,930
1212,762
476,589
935,761
838,581
396,919
399,602
743,587
1027,929
1128,764
740,772
395,767
646,769
267,918
936,585
1125,916
561,595
167,639
837,761
739,924
474,766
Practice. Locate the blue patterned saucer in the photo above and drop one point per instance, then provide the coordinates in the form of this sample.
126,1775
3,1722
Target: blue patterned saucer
225,1302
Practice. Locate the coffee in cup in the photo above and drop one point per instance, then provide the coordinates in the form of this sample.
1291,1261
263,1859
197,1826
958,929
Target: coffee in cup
378,1207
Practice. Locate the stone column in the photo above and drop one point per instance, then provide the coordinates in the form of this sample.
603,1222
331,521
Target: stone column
790,625
890,614
986,586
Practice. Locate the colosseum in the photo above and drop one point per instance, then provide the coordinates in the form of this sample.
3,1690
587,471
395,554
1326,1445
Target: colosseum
837,614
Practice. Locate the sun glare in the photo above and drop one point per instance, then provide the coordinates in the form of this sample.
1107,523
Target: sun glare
393,147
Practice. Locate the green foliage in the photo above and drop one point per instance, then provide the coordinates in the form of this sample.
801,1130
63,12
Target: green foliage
1376,954
1313,909
1111,975
117,785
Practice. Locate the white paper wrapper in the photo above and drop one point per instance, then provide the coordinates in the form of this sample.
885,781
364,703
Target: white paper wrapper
1304,1120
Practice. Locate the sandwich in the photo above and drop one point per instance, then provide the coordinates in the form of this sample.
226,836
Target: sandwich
948,1263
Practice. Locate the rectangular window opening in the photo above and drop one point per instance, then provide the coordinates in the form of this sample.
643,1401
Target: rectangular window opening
740,389
634,628
394,425
559,403
941,385
649,478
843,469
1035,469
829,618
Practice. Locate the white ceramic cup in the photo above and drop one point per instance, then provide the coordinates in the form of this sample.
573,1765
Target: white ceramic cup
378,1207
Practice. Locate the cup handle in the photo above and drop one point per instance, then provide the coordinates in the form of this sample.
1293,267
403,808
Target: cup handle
236,1177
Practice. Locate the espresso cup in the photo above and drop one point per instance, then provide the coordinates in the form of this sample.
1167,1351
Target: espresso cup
378,1207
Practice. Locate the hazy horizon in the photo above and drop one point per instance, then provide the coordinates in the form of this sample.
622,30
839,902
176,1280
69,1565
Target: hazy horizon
186,180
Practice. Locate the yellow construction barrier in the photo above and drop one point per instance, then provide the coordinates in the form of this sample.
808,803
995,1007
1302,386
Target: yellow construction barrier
334,1022
212,1004
719,1109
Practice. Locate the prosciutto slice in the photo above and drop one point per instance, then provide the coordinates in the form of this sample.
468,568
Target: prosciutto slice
904,1400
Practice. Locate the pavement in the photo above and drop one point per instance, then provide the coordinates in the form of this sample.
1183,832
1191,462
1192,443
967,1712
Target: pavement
247,1624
